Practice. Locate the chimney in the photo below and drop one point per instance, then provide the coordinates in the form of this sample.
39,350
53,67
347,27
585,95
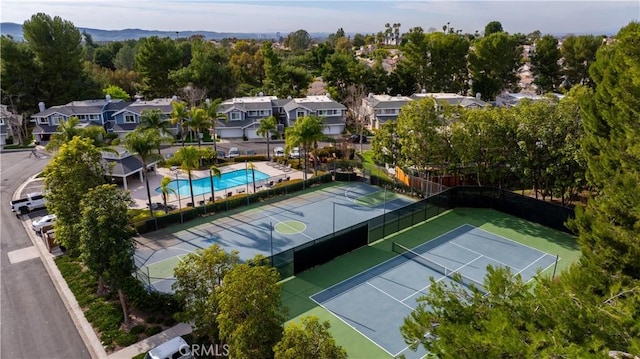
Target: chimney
41,106
108,98
174,98
478,96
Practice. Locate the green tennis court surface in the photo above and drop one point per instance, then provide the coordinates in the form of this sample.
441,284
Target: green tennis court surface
265,229
367,293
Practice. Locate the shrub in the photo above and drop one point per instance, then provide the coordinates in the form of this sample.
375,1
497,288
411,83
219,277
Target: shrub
153,330
250,158
150,319
105,316
125,339
138,329
108,337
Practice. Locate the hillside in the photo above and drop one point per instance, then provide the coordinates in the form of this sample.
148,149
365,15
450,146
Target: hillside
15,30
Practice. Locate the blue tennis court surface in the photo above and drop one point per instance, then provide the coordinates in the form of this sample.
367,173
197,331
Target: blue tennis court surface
269,228
376,301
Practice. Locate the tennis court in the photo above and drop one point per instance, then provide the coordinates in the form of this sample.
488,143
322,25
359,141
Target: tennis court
376,301
265,229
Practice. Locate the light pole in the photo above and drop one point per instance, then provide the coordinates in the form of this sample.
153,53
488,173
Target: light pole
395,160
334,219
175,170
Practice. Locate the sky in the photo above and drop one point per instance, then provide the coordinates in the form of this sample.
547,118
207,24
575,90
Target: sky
548,16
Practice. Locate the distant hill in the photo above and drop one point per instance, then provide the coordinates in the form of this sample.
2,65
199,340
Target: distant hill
15,30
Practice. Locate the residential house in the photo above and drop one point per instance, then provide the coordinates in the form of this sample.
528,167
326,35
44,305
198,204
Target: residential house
378,109
122,166
452,99
332,112
128,118
509,99
6,118
89,112
243,115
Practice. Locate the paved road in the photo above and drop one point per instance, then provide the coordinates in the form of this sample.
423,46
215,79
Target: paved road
34,322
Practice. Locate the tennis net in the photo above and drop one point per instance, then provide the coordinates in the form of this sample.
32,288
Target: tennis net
420,259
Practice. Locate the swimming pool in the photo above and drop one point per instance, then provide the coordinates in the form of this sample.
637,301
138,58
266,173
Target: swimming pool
227,180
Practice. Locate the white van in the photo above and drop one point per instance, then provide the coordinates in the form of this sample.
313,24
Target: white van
176,348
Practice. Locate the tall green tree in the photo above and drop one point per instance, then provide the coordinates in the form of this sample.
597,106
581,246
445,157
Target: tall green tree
142,143
306,132
179,114
57,50
166,190
608,226
267,127
156,121
72,171
155,59
199,276
298,41
418,130
310,340
342,70
544,64
116,93
125,58
20,75
208,69
106,239
578,53
251,316
65,132
493,64
189,159
213,114
213,173
492,28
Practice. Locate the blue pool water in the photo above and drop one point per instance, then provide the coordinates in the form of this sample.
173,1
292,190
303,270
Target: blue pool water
227,180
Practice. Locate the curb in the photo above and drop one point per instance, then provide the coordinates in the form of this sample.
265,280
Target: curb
147,344
83,326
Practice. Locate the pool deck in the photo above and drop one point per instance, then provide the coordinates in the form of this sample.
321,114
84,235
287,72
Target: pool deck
139,192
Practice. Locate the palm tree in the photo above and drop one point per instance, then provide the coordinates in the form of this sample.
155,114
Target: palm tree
65,132
214,172
154,119
306,131
197,121
189,158
143,143
178,114
252,167
267,126
166,189
211,109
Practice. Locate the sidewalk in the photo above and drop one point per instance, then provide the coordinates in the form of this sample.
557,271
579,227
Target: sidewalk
87,333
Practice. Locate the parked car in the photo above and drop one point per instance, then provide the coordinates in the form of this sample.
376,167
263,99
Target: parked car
221,154
176,348
356,139
278,152
251,152
43,221
234,152
295,153
31,202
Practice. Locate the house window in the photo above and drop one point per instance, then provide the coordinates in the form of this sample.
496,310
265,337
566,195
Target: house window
82,117
43,121
378,112
1,121
300,114
389,111
265,112
55,120
130,118
235,116
253,113
322,112
94,117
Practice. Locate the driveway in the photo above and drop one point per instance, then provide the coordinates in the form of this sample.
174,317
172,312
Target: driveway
34,322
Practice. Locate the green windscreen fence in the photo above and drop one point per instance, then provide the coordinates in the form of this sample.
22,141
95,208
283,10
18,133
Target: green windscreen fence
322,250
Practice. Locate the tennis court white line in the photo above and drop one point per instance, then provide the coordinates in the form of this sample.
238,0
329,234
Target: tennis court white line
351,326
532,263
380,264
484,255
390,296
444,276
